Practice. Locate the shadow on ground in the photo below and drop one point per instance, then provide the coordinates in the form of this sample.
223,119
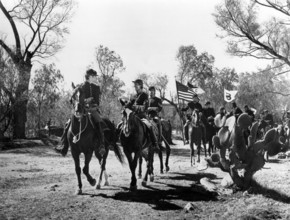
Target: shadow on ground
270,193
163,199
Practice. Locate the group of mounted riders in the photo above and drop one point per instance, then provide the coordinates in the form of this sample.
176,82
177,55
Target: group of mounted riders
146,107
139,132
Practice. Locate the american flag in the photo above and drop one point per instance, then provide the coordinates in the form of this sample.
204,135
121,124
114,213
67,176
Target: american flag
183,92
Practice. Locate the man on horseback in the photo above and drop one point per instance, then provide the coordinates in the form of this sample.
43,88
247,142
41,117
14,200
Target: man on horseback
154,107
268,117
236,111
194,105
90,95
208,111
139,104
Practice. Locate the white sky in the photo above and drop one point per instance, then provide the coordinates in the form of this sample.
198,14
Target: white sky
145,33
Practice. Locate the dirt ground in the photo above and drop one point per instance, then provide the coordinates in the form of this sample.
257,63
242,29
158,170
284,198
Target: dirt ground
37,183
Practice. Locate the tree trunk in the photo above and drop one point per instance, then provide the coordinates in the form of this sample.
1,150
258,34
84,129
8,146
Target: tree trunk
21,100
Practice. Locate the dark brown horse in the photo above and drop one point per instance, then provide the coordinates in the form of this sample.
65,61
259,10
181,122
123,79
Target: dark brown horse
136,142
196,135
82,138
166,139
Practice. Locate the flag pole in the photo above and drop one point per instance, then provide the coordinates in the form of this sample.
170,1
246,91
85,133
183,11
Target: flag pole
180,114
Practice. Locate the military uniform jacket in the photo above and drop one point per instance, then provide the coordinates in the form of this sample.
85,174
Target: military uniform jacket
209,112
139,104
156,103
90,92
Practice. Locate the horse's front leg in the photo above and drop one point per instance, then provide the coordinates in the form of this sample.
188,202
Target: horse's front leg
140,167
192,162
78,172
160,159
198,151
90,179
168,150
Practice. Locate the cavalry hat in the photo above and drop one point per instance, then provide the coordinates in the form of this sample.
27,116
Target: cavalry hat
207,103
91,72
152,88
138,81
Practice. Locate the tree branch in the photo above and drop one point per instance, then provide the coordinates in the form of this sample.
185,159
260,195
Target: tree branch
15,31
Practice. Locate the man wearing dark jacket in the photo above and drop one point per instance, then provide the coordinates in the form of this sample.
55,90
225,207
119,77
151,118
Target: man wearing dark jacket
194,105
208,111
249,112
154,107
236,111
139,104
91,99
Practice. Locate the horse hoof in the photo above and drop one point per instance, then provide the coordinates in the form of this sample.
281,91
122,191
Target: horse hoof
98,186
133,188
106,183
139,176
93,182
144,183
167,169
198,160
151,178
78,192
161,172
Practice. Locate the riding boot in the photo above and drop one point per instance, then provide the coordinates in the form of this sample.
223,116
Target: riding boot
153,139
101,149
64,140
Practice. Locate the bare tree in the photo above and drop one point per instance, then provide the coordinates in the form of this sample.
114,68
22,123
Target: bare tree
45,20
248,36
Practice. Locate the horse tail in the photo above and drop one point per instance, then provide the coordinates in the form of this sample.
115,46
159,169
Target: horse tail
116,148
118,153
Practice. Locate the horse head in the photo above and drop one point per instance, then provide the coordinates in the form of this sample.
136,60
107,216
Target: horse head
196,118
127,119
77,101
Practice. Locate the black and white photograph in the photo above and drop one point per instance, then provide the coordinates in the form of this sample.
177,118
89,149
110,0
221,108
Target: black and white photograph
145,109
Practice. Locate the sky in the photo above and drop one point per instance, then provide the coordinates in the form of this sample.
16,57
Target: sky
145,33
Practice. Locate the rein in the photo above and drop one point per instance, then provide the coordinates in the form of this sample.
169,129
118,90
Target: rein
77,137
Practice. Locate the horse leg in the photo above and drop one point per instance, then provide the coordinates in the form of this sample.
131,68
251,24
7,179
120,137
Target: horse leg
102,161
198,152
204,146
210,146
140,168
133,165
191,153
78,172
160,159
103,167
90,179
168,150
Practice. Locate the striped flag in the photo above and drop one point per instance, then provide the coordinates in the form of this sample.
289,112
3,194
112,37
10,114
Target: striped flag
183,92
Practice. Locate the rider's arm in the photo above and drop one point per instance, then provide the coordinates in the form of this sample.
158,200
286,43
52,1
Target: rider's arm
159,105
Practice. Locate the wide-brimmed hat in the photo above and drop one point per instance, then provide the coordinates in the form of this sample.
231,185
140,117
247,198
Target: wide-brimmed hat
138,81
91,72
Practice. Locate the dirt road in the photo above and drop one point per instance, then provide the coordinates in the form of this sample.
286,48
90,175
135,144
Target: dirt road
37,183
